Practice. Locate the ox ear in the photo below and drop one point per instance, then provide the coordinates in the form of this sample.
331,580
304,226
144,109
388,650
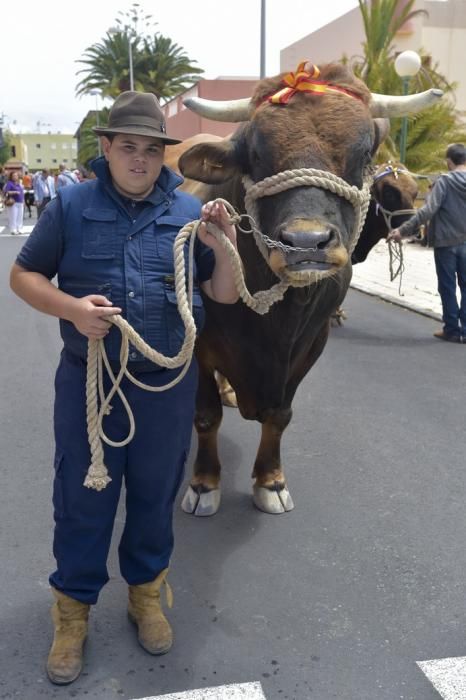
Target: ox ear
381,131
211,163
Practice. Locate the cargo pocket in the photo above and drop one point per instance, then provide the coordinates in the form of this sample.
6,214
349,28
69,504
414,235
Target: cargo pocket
99,234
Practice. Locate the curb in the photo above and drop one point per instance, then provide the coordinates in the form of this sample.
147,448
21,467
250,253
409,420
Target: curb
397,302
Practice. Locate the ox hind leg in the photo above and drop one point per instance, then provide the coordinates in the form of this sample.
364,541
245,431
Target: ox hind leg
202,497
270,492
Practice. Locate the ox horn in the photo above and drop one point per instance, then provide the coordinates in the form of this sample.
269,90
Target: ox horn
220,110
403,105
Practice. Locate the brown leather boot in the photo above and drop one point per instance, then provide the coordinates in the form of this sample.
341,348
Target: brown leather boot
66,655
145,610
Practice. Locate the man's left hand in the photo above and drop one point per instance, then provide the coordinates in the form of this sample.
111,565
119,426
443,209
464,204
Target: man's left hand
395,235
216,213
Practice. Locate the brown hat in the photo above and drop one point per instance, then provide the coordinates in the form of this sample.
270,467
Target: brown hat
136,113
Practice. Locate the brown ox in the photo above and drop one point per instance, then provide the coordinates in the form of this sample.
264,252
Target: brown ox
393,194
265,357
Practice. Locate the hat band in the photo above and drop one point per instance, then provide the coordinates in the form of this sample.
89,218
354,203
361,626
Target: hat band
138,122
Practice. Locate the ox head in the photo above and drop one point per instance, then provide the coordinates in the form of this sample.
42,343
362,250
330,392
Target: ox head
328,127
395,191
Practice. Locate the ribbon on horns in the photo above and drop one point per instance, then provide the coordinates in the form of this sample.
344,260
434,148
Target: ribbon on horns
305,81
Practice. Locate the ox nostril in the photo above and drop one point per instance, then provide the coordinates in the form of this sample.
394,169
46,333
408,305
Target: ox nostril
318,240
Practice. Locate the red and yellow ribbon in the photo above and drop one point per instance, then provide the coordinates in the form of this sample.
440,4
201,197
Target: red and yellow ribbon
305,81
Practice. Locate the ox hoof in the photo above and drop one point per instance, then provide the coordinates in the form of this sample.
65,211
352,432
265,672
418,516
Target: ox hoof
272,500
199,503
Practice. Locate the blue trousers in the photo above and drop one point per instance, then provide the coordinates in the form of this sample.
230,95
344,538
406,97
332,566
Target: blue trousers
450,263
151,465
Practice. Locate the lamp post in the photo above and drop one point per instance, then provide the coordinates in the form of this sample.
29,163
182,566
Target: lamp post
116,30
407,65
96,93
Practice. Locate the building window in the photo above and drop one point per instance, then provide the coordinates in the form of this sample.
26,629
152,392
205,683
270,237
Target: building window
38,160
172,108
13,151
53,146
64,146
65,160
74,146
54,160
37,145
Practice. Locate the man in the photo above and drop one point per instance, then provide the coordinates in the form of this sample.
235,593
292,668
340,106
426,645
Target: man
445,210
65,177
110,242
44,190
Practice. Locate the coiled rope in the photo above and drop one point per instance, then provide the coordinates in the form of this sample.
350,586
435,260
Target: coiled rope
97,476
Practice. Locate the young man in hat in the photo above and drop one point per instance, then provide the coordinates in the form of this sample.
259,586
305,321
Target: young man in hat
110,243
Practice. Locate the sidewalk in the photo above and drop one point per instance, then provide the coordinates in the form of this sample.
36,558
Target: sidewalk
418,282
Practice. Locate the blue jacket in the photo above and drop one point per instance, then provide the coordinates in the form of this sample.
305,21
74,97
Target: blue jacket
103,250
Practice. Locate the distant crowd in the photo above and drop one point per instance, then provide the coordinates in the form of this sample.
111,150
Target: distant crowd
24,190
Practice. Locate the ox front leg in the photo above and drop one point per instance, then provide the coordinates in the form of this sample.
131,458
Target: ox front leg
202,497
270,492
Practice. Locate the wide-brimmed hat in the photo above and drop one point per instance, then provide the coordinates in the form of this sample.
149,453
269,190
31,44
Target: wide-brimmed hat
136,113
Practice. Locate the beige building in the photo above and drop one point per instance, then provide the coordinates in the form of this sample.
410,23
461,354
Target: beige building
36,151
441,33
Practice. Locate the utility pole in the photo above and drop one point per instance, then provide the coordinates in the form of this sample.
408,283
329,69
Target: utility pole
262,65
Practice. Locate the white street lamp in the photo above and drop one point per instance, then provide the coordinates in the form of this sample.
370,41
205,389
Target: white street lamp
407,65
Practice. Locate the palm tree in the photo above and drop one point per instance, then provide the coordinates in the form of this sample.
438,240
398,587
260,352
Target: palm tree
88,139
166,67
430,131
159,65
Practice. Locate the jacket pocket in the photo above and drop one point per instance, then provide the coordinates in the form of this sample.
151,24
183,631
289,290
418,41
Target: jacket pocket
175,325
166,231
99,234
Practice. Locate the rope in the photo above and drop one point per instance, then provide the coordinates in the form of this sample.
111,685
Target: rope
97,476
395,249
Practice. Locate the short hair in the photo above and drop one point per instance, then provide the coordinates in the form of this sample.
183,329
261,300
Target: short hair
456,152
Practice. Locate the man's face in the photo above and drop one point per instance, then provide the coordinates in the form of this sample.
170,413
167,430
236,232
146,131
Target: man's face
135,163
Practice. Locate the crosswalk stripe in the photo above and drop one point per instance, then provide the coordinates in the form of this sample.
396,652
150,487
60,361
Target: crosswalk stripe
448,676
237,691
25,231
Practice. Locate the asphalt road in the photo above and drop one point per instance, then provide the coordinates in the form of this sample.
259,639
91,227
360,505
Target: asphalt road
337,599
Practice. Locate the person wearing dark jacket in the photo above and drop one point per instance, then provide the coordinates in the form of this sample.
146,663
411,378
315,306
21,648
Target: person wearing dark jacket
110,241
445,210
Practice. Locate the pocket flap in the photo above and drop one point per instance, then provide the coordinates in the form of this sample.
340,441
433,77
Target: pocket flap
99,214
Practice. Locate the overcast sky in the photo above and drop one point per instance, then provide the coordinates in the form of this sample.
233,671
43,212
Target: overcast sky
44,40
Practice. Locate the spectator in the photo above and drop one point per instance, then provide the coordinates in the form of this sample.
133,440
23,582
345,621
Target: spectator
13,191
44,190
28,192
114,236
65,177
445,210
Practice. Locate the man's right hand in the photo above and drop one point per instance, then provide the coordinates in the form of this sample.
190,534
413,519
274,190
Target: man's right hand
89,315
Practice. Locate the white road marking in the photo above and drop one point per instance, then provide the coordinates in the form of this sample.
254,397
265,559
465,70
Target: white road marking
26,230
242,691
448,676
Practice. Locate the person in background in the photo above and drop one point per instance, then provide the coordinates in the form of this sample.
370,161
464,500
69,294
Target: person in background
14,191
28,192
110,244
445,210
65,177
44,190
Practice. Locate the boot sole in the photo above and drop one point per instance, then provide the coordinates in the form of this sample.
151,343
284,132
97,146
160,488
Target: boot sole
160,652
